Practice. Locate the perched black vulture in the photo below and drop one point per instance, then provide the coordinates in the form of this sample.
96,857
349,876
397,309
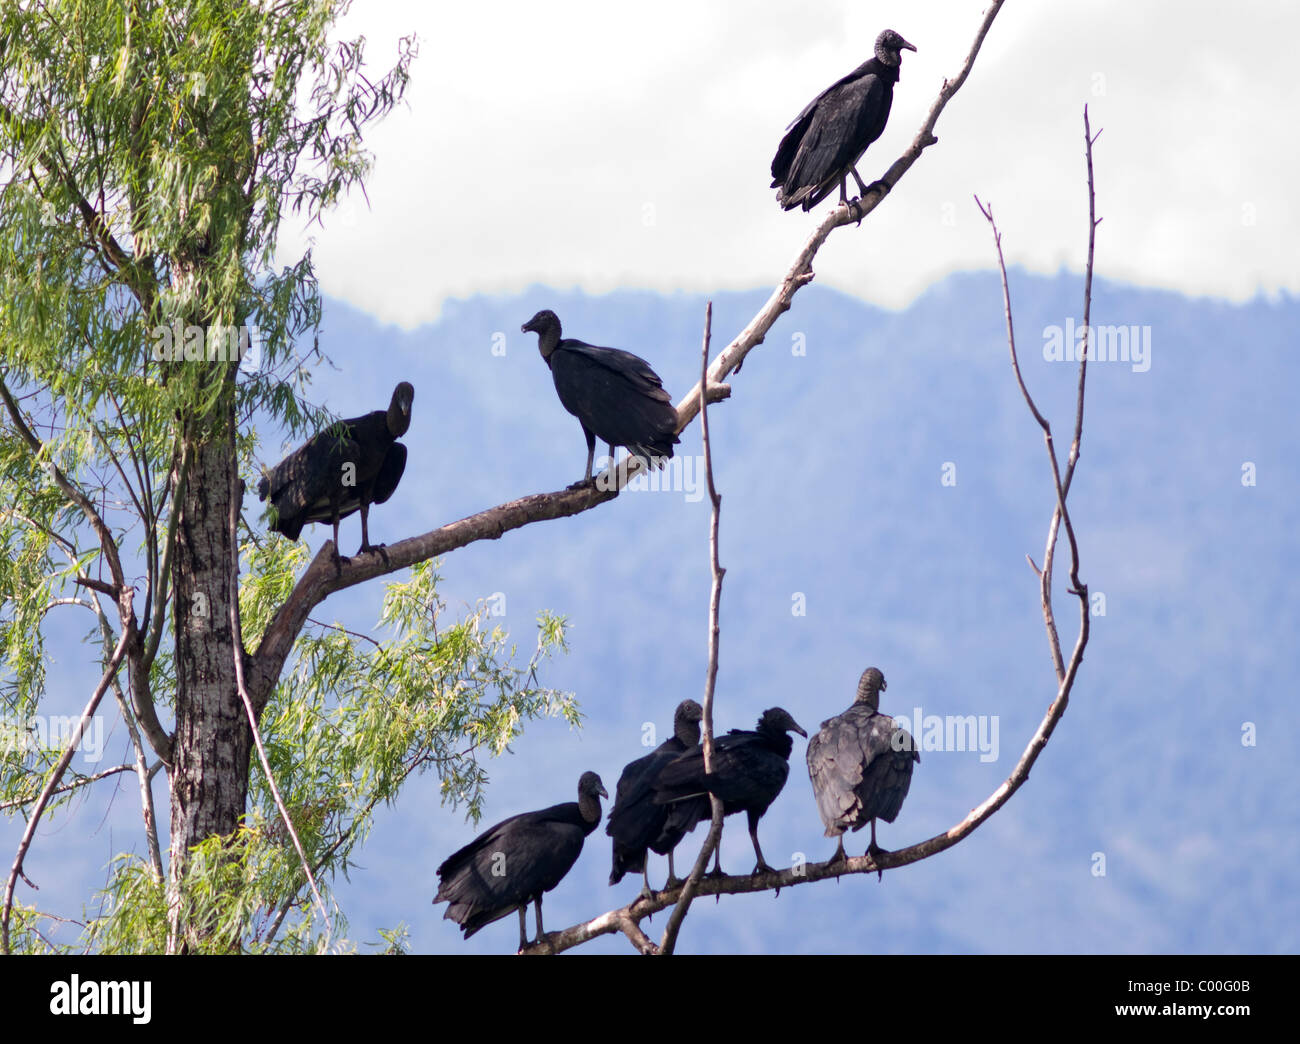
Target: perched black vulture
348,466
749,770
511,865
615,395
861,765
635,822
821,148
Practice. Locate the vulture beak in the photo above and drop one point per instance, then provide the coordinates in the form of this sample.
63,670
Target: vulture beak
907,46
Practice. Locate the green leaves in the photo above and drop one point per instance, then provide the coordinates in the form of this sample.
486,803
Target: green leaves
148,155
355,717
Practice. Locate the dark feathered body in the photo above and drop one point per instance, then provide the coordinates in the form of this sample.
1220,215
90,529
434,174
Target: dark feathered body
636,824
515,862
860,763
824,143
338,471
615,395
749,771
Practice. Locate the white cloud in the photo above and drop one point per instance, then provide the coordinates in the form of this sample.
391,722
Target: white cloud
592,145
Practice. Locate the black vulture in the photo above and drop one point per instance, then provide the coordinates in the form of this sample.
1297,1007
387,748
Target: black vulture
615,395
348,466
861,764
821,148
749,770
511,865
635,822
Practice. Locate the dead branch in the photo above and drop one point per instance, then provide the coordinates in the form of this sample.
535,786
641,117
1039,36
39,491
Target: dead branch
57,774
322,577
714,838
556,942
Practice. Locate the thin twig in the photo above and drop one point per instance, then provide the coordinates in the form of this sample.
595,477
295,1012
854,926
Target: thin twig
240,684
66,787
324,575
57,774
643,906
714,838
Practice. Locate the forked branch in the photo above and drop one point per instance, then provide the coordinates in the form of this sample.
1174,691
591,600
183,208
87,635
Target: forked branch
627,918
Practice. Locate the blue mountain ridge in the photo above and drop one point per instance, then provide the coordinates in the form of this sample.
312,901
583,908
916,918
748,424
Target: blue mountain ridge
847,543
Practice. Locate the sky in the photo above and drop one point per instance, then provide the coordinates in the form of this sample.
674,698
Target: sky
596,146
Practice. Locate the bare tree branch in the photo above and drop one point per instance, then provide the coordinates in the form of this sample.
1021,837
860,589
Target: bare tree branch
30,832
67,487
1067,672
66,787
322,578
669,941
242,686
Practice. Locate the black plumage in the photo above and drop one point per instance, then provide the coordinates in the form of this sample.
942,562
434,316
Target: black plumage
512,864
345,468
636,824
749,770
860,764
615,395
821,148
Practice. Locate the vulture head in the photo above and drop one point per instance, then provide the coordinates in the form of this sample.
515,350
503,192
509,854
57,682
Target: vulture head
870,686
546,324
399,410
778,720
890,47
590,791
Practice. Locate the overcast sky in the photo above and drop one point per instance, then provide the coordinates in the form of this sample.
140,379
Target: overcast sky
598,145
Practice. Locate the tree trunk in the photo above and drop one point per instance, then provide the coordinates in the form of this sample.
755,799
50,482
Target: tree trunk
209,779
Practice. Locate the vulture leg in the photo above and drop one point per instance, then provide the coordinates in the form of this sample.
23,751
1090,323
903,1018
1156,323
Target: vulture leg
672,881
540,930
338,558
591,457
717,862
365,529
840,855
874,850
523,926
876,186
366,545
862,193
646,890
761,865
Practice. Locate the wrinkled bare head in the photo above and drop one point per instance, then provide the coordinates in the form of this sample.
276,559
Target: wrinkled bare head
870,686
546,324
890,47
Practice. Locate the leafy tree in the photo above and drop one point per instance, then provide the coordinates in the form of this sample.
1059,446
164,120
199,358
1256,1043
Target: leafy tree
150,152
148,155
